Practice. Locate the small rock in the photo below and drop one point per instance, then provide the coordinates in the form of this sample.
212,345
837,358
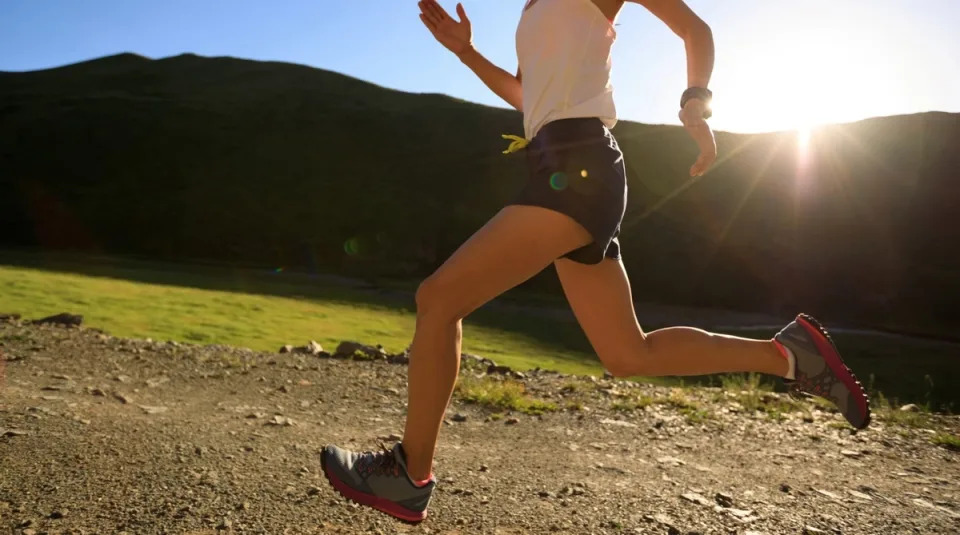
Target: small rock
810,530
399,358
245,506
695,498
349,349
11,432
286,349
313,491
392,437
63,318
123,378
459,417
495,369
828,494
671,461
253,415
123,398
484,468
512,421
910,407
851,453
862,496
785,488
546,494
280,421
59,513
724,499
226,524
152,410
619,423
285,389
157,381
29,531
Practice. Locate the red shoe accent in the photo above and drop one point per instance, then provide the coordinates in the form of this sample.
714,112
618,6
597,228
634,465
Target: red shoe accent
832,357
370,500
422,483
782,348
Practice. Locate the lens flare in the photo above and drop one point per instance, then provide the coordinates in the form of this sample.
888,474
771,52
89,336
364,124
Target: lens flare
583,173
558,181
352,246
278,270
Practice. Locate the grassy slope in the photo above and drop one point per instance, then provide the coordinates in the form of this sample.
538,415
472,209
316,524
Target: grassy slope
265,310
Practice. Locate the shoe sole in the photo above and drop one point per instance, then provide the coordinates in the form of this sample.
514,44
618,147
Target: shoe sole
362,498
828,349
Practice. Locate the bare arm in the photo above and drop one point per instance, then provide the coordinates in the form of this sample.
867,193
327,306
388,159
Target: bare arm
457,37
698,40
696,35
501,82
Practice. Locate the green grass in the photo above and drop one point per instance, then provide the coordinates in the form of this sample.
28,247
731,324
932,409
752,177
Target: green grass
178,307
951,442
501,394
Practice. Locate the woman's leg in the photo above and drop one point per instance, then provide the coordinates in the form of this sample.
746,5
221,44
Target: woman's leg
512,247
601,300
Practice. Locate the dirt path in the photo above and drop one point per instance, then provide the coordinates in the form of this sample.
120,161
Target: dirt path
102,435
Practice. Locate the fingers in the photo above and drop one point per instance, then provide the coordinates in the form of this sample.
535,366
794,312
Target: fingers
428,14
439,14
430,26
702,164
462,13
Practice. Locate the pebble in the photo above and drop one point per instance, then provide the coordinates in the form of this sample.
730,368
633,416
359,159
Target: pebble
695,498
724,500
512,421
459,417
785,488
59,513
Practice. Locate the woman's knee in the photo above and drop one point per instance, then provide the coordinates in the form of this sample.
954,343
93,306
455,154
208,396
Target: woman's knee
434,300
630,360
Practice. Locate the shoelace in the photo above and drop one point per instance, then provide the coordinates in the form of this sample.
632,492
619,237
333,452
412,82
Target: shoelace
382,462
803,387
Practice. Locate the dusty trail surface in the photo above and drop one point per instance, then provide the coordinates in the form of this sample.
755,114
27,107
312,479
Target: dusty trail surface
103,435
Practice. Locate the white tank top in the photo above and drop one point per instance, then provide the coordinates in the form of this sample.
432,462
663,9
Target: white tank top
563,47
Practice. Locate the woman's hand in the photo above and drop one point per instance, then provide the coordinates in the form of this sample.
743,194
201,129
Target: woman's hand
692,118
457,37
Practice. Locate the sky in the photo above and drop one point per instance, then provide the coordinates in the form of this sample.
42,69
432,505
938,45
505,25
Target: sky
780,64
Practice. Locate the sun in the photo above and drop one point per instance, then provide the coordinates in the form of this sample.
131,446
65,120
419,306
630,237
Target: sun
797,81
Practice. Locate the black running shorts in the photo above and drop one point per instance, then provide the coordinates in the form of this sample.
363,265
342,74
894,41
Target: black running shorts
575,167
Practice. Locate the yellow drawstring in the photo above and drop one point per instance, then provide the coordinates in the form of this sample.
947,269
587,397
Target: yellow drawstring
516,144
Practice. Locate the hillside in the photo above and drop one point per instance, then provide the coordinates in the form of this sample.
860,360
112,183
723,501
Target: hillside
107,435
287,165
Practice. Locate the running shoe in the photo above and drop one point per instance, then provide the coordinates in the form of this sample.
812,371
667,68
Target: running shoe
821,372
378,479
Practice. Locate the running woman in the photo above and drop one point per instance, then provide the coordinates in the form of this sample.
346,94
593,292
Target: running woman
568,213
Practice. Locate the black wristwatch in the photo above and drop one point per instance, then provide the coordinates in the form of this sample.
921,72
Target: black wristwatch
701,93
